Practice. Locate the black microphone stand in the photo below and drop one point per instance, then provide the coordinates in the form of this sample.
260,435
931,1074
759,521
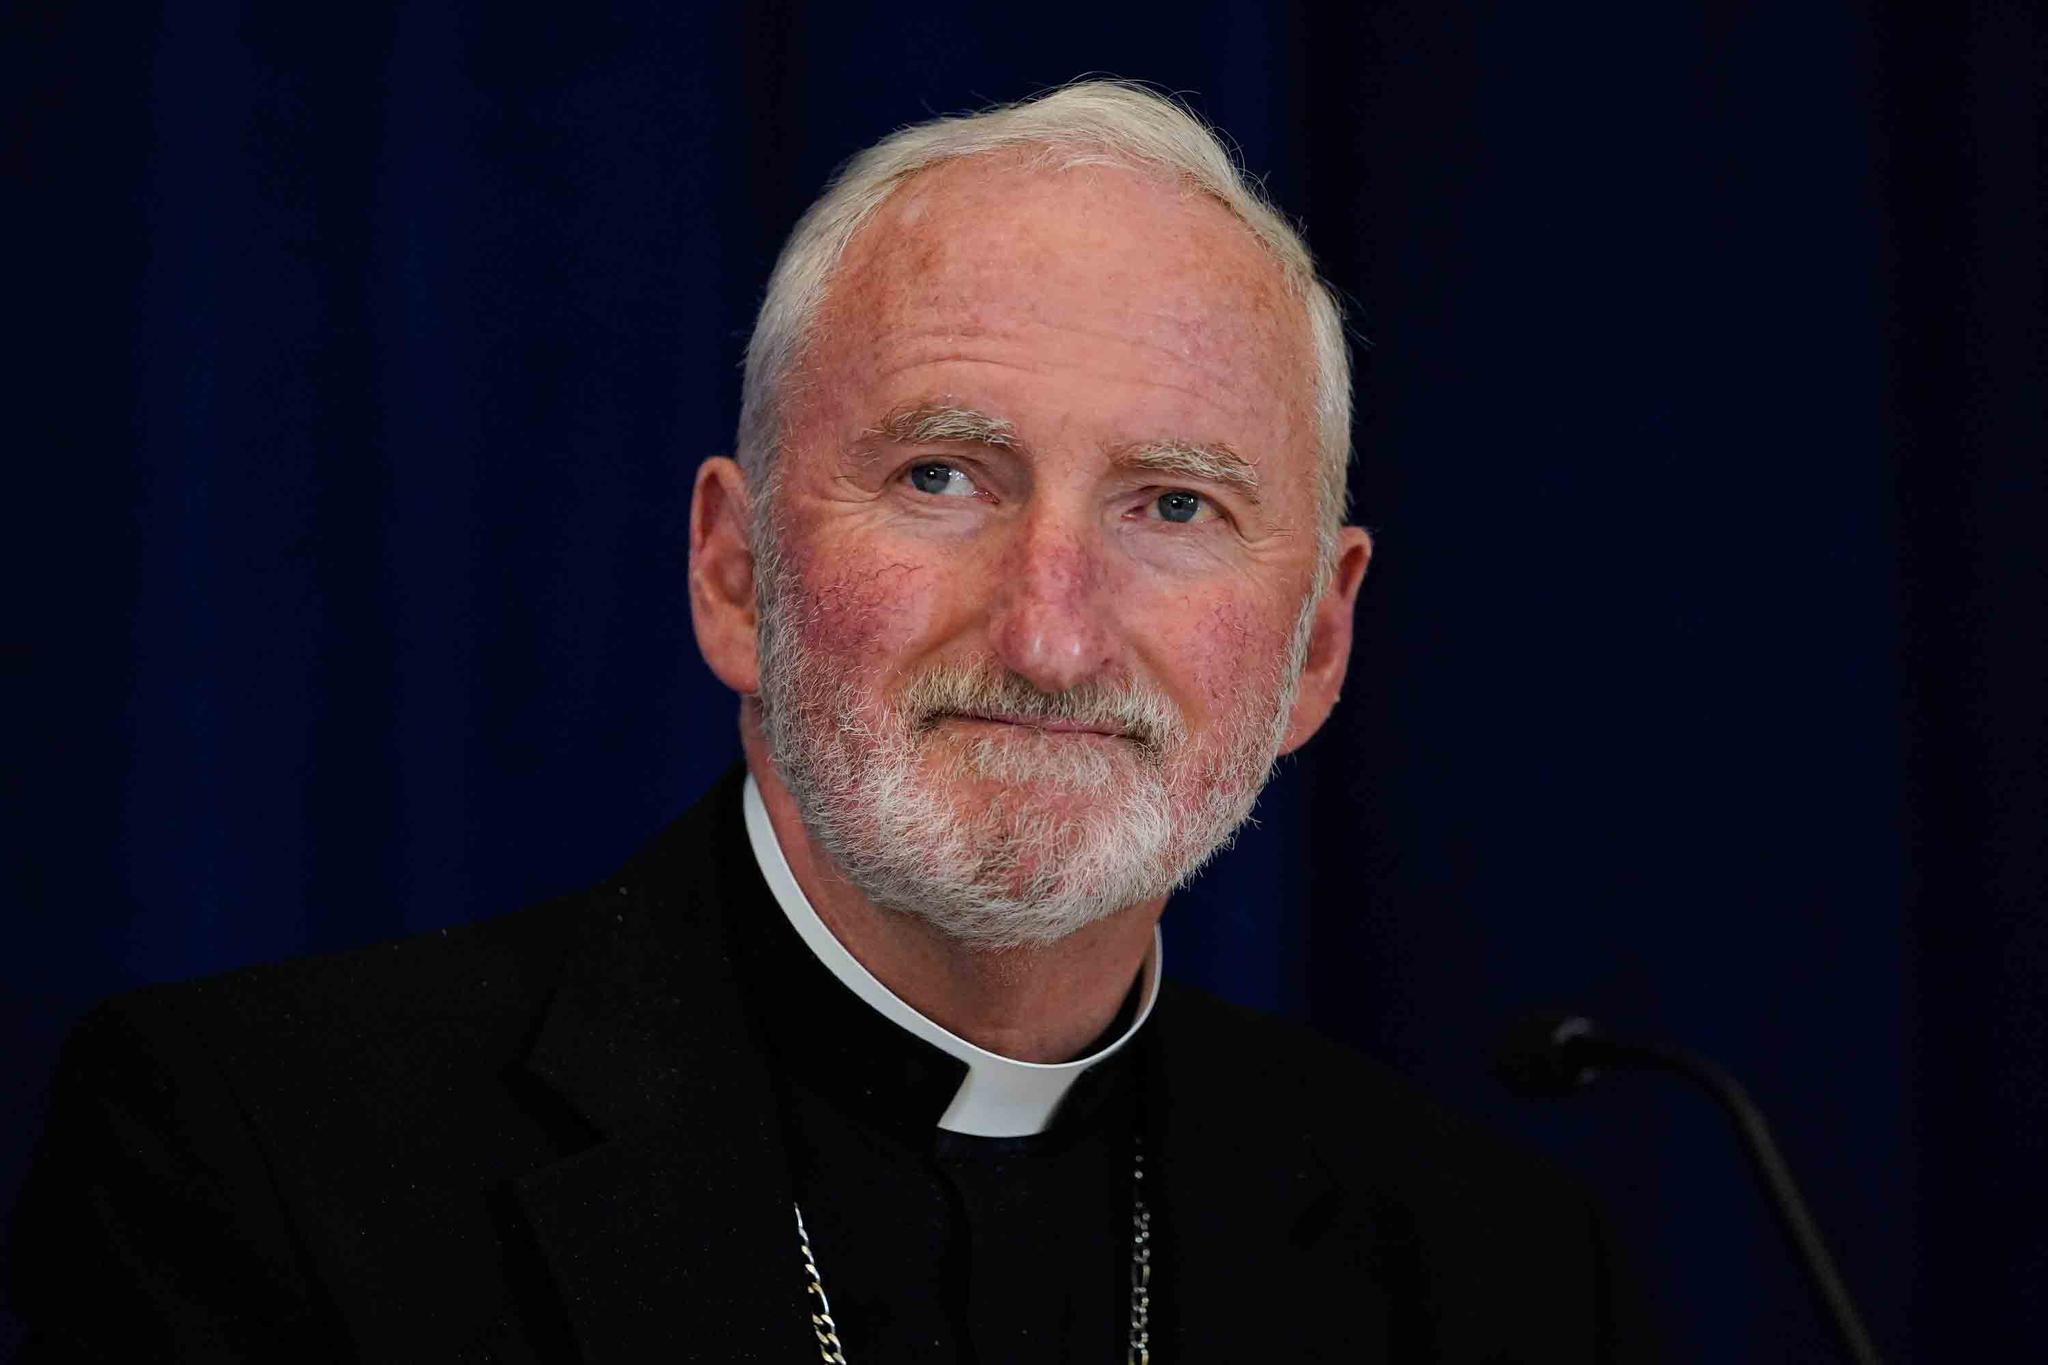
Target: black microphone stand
1560,1054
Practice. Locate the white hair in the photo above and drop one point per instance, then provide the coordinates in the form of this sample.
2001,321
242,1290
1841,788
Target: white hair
1089,122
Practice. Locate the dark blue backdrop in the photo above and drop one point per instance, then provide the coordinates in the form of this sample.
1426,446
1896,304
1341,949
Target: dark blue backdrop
1700,680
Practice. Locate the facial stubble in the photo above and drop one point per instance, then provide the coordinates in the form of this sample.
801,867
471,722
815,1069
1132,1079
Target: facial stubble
1015,836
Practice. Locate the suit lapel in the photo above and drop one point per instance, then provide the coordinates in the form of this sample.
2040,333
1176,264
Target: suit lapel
664,1249
671,1237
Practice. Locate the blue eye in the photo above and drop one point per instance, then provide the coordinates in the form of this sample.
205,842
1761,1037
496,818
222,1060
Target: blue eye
941,480
1179,505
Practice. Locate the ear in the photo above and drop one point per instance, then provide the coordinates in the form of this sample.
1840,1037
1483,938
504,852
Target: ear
1329,640
722,575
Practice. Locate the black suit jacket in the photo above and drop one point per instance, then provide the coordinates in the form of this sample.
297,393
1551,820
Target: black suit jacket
554,1136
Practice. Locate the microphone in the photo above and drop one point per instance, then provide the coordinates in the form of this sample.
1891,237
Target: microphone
1551,1055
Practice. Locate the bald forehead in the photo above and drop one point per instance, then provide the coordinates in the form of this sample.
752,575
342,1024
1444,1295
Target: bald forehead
1006,239
1079,193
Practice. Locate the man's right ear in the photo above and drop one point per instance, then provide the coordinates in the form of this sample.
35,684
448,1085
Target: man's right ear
722,575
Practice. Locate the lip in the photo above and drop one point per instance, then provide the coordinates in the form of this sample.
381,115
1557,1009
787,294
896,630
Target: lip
1054,727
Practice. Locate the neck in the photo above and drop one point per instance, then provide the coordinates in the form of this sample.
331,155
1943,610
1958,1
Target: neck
1036,1004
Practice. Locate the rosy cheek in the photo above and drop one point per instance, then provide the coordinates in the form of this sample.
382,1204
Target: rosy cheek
1233,651
873,610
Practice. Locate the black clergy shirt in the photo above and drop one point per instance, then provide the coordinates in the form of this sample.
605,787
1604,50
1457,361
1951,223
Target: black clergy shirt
933,1245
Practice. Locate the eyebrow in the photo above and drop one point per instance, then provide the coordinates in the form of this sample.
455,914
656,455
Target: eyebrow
943,424
1216,463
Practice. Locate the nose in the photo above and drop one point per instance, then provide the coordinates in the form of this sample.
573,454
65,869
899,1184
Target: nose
1048,621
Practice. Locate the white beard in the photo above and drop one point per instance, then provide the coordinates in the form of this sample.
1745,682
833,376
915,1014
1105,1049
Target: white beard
1033,863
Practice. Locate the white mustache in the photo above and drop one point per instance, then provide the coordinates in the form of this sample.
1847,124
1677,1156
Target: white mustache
1126,708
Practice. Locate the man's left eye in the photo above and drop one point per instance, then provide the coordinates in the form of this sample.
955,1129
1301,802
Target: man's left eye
1179,505
941,480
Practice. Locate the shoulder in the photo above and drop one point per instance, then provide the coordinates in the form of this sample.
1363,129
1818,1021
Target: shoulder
390,1052
431,992
352,1121
210,1145
1373,1129
1457,1243
457,996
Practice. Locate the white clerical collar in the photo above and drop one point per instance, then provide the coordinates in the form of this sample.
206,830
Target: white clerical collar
1001,1097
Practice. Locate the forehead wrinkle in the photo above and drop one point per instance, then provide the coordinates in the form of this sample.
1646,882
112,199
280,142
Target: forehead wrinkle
1215,462
927,327
1152,379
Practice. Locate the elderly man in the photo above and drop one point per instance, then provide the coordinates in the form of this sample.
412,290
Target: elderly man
1031,563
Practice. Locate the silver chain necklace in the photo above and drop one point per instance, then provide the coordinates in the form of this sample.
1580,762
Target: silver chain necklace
1138,1348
